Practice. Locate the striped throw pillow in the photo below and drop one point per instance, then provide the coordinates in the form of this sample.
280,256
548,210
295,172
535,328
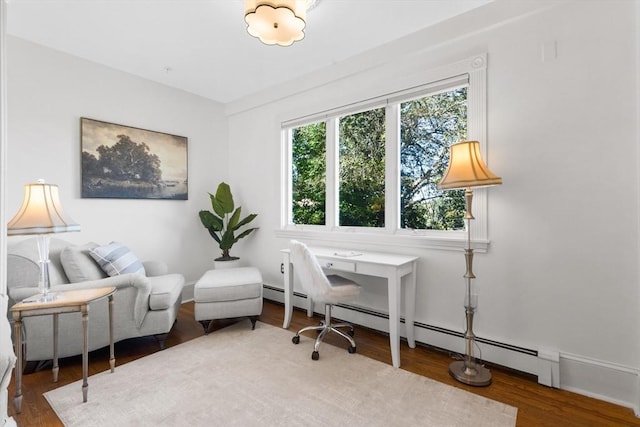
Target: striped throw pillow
115,259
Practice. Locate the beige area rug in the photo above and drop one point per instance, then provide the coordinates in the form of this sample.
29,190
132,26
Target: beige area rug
239,377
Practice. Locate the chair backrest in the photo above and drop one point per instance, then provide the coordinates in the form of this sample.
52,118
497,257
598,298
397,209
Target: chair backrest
308,270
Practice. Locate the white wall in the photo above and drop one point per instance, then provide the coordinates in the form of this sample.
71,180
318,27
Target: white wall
561,272
49,91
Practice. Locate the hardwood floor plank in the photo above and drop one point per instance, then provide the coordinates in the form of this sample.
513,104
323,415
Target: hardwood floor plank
537,405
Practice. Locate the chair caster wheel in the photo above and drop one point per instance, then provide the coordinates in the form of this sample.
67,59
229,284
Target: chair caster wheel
315,355
351,333
351,349
296,339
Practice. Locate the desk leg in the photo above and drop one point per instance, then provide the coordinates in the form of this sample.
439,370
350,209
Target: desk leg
288,291
112,359
394,318
410,306
17,328
55,368
85,351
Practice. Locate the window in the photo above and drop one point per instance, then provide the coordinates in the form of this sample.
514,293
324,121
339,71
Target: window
308,174
361,160
374,166
428,126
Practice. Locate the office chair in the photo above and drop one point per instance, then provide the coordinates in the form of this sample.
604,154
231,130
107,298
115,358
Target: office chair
329,290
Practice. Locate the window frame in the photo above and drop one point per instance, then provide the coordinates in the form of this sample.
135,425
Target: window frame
470,72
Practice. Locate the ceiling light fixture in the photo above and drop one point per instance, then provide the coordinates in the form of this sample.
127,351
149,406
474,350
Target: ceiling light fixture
280,22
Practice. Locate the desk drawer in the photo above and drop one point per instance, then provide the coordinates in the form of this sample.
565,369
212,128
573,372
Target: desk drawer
331,264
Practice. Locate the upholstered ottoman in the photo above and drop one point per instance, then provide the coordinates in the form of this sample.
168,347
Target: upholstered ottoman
228,293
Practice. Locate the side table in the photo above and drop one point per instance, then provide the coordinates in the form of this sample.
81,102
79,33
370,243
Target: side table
55,304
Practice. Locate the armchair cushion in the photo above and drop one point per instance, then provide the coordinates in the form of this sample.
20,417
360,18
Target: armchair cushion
155,268
116,259
78,264
164,292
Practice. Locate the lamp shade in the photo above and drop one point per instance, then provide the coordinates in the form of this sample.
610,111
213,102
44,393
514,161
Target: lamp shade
41,212
278,22
466,168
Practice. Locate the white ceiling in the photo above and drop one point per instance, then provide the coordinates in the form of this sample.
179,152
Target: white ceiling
202,47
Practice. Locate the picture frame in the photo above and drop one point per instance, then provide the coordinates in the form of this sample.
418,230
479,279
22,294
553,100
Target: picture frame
124,162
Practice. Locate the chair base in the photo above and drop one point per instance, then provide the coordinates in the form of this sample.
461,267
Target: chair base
325,327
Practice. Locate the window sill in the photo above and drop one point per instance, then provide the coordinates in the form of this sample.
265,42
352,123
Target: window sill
322,237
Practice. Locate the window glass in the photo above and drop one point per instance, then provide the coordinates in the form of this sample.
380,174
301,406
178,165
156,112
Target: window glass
362,169
308,173
428,126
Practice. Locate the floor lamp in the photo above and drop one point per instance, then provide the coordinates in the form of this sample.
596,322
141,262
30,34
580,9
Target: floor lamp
41,214
467,170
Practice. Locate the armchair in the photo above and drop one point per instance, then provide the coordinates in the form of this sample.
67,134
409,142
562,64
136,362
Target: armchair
144,305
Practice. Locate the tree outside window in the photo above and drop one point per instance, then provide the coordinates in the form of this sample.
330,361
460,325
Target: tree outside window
427,127
308,173
361,148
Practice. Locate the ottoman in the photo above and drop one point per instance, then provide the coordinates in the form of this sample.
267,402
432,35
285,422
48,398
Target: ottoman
228,293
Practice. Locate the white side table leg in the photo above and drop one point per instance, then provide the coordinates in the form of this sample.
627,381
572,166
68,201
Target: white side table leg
85,351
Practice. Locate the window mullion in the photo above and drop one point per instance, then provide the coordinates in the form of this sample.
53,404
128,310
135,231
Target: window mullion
331,208
286,212
392,170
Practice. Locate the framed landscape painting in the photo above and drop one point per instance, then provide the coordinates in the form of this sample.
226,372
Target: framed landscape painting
125,162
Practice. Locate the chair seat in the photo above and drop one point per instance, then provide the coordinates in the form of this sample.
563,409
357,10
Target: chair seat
343,288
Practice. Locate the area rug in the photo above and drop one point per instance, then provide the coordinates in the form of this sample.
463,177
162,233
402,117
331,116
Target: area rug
239,377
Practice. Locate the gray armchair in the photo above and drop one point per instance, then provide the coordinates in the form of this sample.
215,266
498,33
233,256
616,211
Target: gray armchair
143,305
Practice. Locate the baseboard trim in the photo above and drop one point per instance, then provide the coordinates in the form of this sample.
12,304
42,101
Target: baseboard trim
605,381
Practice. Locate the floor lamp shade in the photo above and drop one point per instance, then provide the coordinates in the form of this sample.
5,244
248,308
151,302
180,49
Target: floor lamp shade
41,214
467,169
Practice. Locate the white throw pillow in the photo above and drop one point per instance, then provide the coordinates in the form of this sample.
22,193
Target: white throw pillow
115,259
78,264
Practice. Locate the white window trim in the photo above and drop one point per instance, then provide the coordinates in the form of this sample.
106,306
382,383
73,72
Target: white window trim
391,235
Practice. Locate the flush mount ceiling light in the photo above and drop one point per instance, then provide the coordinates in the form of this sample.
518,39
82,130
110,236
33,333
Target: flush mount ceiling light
278,22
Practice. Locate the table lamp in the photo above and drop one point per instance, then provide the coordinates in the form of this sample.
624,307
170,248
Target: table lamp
466,170
41,214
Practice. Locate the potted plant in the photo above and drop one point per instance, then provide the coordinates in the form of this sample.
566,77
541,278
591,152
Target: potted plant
225,221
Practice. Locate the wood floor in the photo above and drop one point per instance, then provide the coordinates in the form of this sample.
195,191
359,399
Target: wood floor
537,405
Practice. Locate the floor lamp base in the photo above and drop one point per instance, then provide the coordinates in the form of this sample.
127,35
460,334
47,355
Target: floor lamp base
481,378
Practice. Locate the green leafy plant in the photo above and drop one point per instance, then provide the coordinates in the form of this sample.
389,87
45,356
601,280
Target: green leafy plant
224,221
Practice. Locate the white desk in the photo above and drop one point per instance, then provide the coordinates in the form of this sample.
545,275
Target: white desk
390,266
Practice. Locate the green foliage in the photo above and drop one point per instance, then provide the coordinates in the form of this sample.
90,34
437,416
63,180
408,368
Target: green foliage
309,174
362,168
428,126
224,221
